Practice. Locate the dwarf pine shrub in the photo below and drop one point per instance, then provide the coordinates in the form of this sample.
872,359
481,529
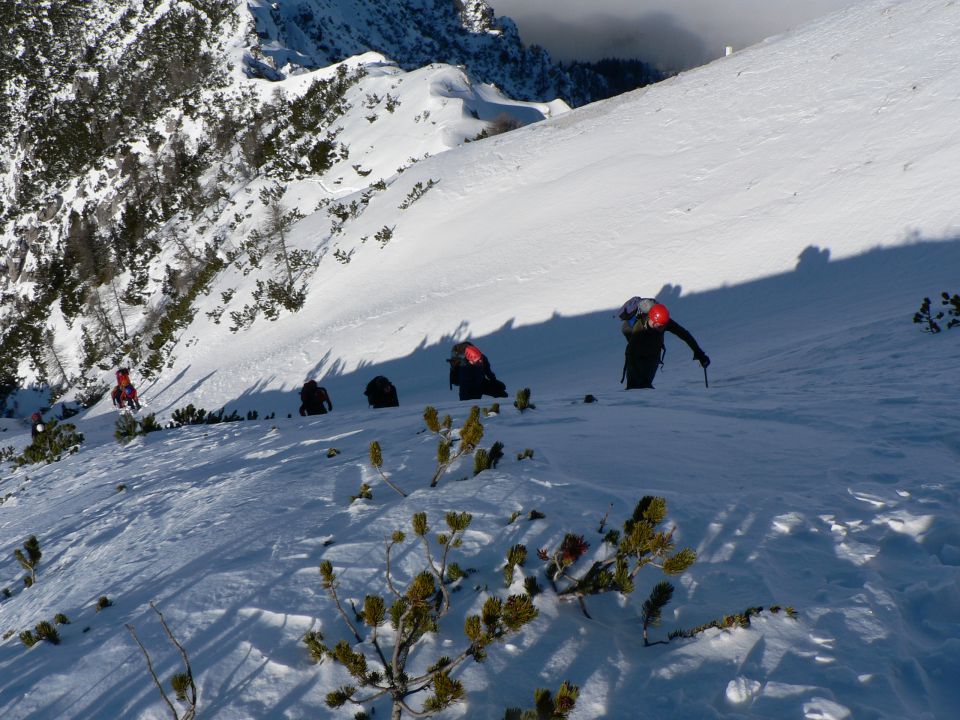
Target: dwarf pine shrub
364,493
730,622
522,402
527,453
928,318
46,630
61,619
640,544
516,557
414,613
103,602
548,706
28,638
50,445
29,560
470,436
376,459
182,684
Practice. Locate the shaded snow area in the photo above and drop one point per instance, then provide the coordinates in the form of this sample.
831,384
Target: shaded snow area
791,204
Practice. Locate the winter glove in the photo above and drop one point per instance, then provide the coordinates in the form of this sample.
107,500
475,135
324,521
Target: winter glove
701,357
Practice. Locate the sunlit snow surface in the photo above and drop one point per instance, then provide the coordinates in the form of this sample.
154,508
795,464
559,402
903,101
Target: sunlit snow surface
792,205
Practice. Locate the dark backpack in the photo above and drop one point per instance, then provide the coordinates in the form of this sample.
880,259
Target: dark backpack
381,393
635,306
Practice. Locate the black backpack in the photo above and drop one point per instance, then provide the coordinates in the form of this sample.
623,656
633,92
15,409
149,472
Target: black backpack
381,393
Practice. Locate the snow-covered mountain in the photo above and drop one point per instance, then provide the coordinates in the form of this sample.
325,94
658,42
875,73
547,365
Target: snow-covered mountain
792,204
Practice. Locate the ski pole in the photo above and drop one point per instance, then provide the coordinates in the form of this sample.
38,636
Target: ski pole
705,381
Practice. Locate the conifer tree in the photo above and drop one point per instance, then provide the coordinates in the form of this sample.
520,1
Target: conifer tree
640,544
30,560
413,614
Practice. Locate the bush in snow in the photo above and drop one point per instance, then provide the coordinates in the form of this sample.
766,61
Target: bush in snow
50,445
29,560
487,459
640,544
181,683
728,622
548,706
470,436
523,400
376,459
128,427
364,493
417,192
103,602
414,613
926,316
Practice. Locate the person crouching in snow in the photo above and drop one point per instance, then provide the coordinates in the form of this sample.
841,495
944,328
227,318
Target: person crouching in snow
471,371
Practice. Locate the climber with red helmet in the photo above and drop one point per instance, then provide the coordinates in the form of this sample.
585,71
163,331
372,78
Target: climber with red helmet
471,371
644,322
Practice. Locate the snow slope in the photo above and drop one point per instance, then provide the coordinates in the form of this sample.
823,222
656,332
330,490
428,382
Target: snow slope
792,204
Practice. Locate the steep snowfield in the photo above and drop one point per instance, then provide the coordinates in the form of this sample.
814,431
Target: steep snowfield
792,204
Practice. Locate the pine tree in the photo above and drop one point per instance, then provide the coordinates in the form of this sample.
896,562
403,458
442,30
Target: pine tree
30,560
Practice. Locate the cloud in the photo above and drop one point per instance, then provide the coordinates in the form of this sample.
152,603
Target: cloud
671,34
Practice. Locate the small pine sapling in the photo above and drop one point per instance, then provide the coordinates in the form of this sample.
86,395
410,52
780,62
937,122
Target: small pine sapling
640,544
61,619
487,459
547,706
731,622
376,459
413,614
470,436
516,557
365,493
522,402
494,409
527,453
652,609
28,638
46,630
927,317
182,683
103,602
30,560
126,430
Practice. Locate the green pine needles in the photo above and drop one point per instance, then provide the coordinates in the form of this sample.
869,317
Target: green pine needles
548,706
30,559
413,614
469,437
522,402
928,318
640,544
376,459
56,440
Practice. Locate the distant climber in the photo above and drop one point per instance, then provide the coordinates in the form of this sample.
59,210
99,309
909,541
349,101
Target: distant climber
381,393
644,322
36,425
124,393
471,372
314,399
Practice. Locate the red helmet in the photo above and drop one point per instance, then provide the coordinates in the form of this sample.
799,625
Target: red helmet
472,354
658,316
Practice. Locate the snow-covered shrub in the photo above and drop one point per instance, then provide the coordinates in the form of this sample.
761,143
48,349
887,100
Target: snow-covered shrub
548,706
29,560
640,544
51,444
523,400
925,316
414,614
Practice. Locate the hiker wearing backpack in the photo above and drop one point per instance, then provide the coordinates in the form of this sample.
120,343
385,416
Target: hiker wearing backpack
471,372
314,399
124,393
381,393
644,322
36,425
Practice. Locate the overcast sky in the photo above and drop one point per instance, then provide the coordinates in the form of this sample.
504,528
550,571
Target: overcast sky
672,34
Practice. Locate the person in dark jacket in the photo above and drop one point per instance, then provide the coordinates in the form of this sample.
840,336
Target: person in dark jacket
381,393
314,400
644,331
36,425
471,372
